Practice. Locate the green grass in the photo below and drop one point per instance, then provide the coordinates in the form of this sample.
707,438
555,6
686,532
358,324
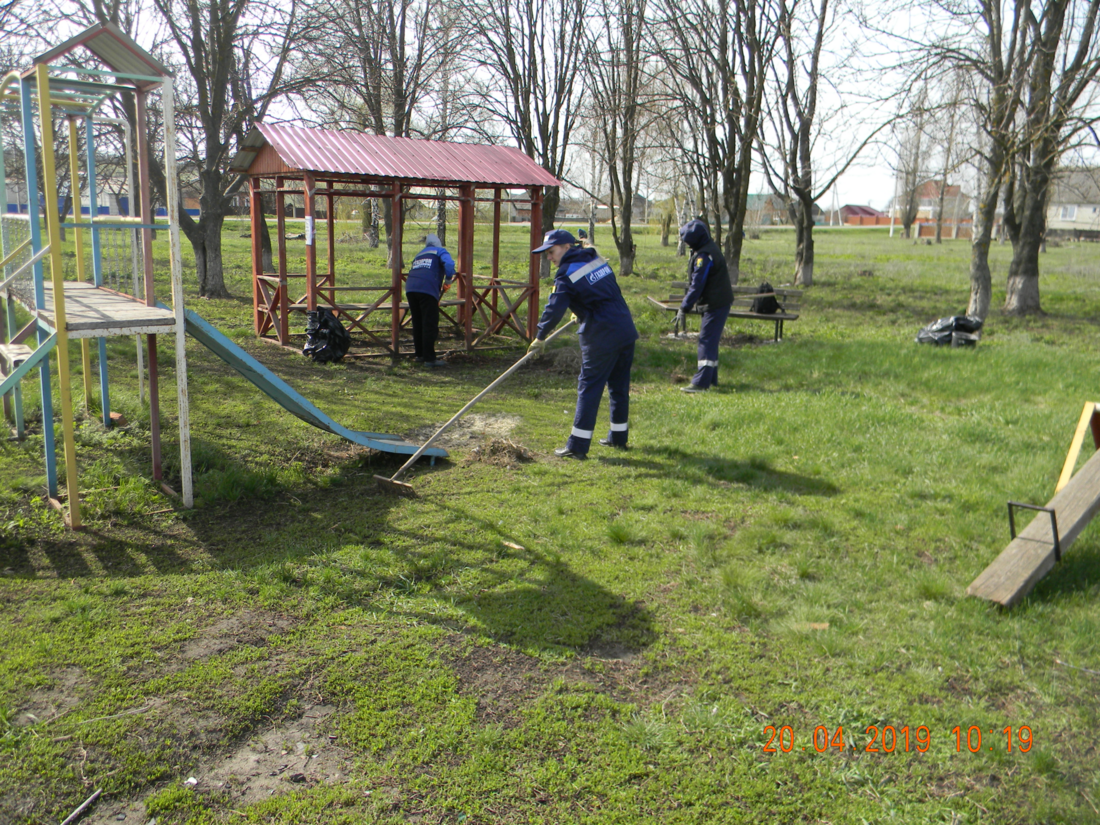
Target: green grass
601,642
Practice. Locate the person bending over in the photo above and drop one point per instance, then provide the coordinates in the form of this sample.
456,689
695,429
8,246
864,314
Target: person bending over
586,285
431,268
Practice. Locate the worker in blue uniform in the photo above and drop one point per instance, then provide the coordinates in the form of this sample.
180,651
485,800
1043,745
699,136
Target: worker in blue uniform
585,284
431,268
710,292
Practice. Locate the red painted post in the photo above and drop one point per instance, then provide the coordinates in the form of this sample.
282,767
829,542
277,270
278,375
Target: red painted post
144,192
495,282
310,185
255,207
536,261
396,266
331,244
282,332
466,259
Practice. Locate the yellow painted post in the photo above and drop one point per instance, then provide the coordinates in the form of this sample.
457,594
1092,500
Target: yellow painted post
1091,410
78,240
53,232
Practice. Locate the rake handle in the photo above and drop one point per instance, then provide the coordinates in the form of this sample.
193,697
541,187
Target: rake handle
473,401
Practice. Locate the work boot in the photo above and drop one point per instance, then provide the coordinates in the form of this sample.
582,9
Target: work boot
435,363
607,442
565,452
693,388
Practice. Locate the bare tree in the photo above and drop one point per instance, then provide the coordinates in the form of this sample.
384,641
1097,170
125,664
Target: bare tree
793,122
375,63
234,55
617,68
1062,77
532,51
947,127
715,55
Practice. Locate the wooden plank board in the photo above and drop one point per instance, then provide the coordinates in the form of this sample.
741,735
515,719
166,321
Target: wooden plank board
1030,556
94,312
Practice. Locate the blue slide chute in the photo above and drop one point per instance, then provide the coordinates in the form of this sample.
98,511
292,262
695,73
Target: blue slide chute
282,393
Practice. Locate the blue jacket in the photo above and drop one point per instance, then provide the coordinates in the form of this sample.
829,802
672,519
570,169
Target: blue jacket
585,284
709,279
429,269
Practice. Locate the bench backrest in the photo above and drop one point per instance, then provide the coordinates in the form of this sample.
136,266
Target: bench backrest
743,296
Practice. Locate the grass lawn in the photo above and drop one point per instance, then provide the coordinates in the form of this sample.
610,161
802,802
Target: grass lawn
649,636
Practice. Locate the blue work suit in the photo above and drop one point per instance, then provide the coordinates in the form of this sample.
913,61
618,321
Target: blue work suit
585,284
429,269
709,288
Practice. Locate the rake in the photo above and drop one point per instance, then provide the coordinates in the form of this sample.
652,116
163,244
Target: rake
394,485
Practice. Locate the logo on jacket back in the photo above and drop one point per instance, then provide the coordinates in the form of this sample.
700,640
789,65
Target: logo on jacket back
602,272
421,263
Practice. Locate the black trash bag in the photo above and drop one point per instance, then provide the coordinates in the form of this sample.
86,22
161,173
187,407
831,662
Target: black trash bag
958,330
326,339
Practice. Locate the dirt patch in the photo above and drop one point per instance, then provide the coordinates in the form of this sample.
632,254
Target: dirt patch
295,755
249,627
467,431
505,680
51,702
500,452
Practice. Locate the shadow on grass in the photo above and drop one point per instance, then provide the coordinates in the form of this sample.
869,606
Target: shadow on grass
1077,573
700,468
544,605
336,545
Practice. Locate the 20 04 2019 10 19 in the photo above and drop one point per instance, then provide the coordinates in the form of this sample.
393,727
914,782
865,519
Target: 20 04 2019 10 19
898,739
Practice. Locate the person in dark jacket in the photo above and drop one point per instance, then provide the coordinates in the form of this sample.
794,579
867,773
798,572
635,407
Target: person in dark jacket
431,268
585,284
710,291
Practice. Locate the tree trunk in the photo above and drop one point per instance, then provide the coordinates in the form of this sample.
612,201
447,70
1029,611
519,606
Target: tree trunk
64,210
666,225
205,236
804,249
981,281
1023,277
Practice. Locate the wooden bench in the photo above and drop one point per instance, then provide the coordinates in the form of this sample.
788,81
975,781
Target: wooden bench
743,297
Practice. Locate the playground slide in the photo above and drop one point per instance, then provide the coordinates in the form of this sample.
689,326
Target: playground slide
273,386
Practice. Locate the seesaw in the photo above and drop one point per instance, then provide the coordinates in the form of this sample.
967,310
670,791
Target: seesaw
1039,546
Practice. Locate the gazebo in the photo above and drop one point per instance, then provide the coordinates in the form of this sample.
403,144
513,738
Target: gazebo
320,166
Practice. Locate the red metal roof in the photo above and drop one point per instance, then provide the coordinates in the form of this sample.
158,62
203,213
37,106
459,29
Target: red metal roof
381,157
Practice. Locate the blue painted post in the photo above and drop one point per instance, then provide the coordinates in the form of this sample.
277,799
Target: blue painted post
49,448
97,264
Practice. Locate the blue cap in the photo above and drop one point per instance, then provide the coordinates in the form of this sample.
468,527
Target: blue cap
553,238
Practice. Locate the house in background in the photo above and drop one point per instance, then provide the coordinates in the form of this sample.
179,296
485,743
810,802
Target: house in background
857,215
956,203
1074,209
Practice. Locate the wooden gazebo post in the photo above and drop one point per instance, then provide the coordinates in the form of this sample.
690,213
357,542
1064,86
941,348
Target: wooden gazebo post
466,259
495,282
309,184
395,268
255,211
536,264
283,332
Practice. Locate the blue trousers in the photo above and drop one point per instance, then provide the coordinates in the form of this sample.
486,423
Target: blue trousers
710,333
610,368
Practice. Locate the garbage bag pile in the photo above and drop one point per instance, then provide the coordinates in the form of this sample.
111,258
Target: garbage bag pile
326,339
957,331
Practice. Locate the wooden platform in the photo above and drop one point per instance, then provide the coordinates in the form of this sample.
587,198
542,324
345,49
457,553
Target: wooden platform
1030,556
96,312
